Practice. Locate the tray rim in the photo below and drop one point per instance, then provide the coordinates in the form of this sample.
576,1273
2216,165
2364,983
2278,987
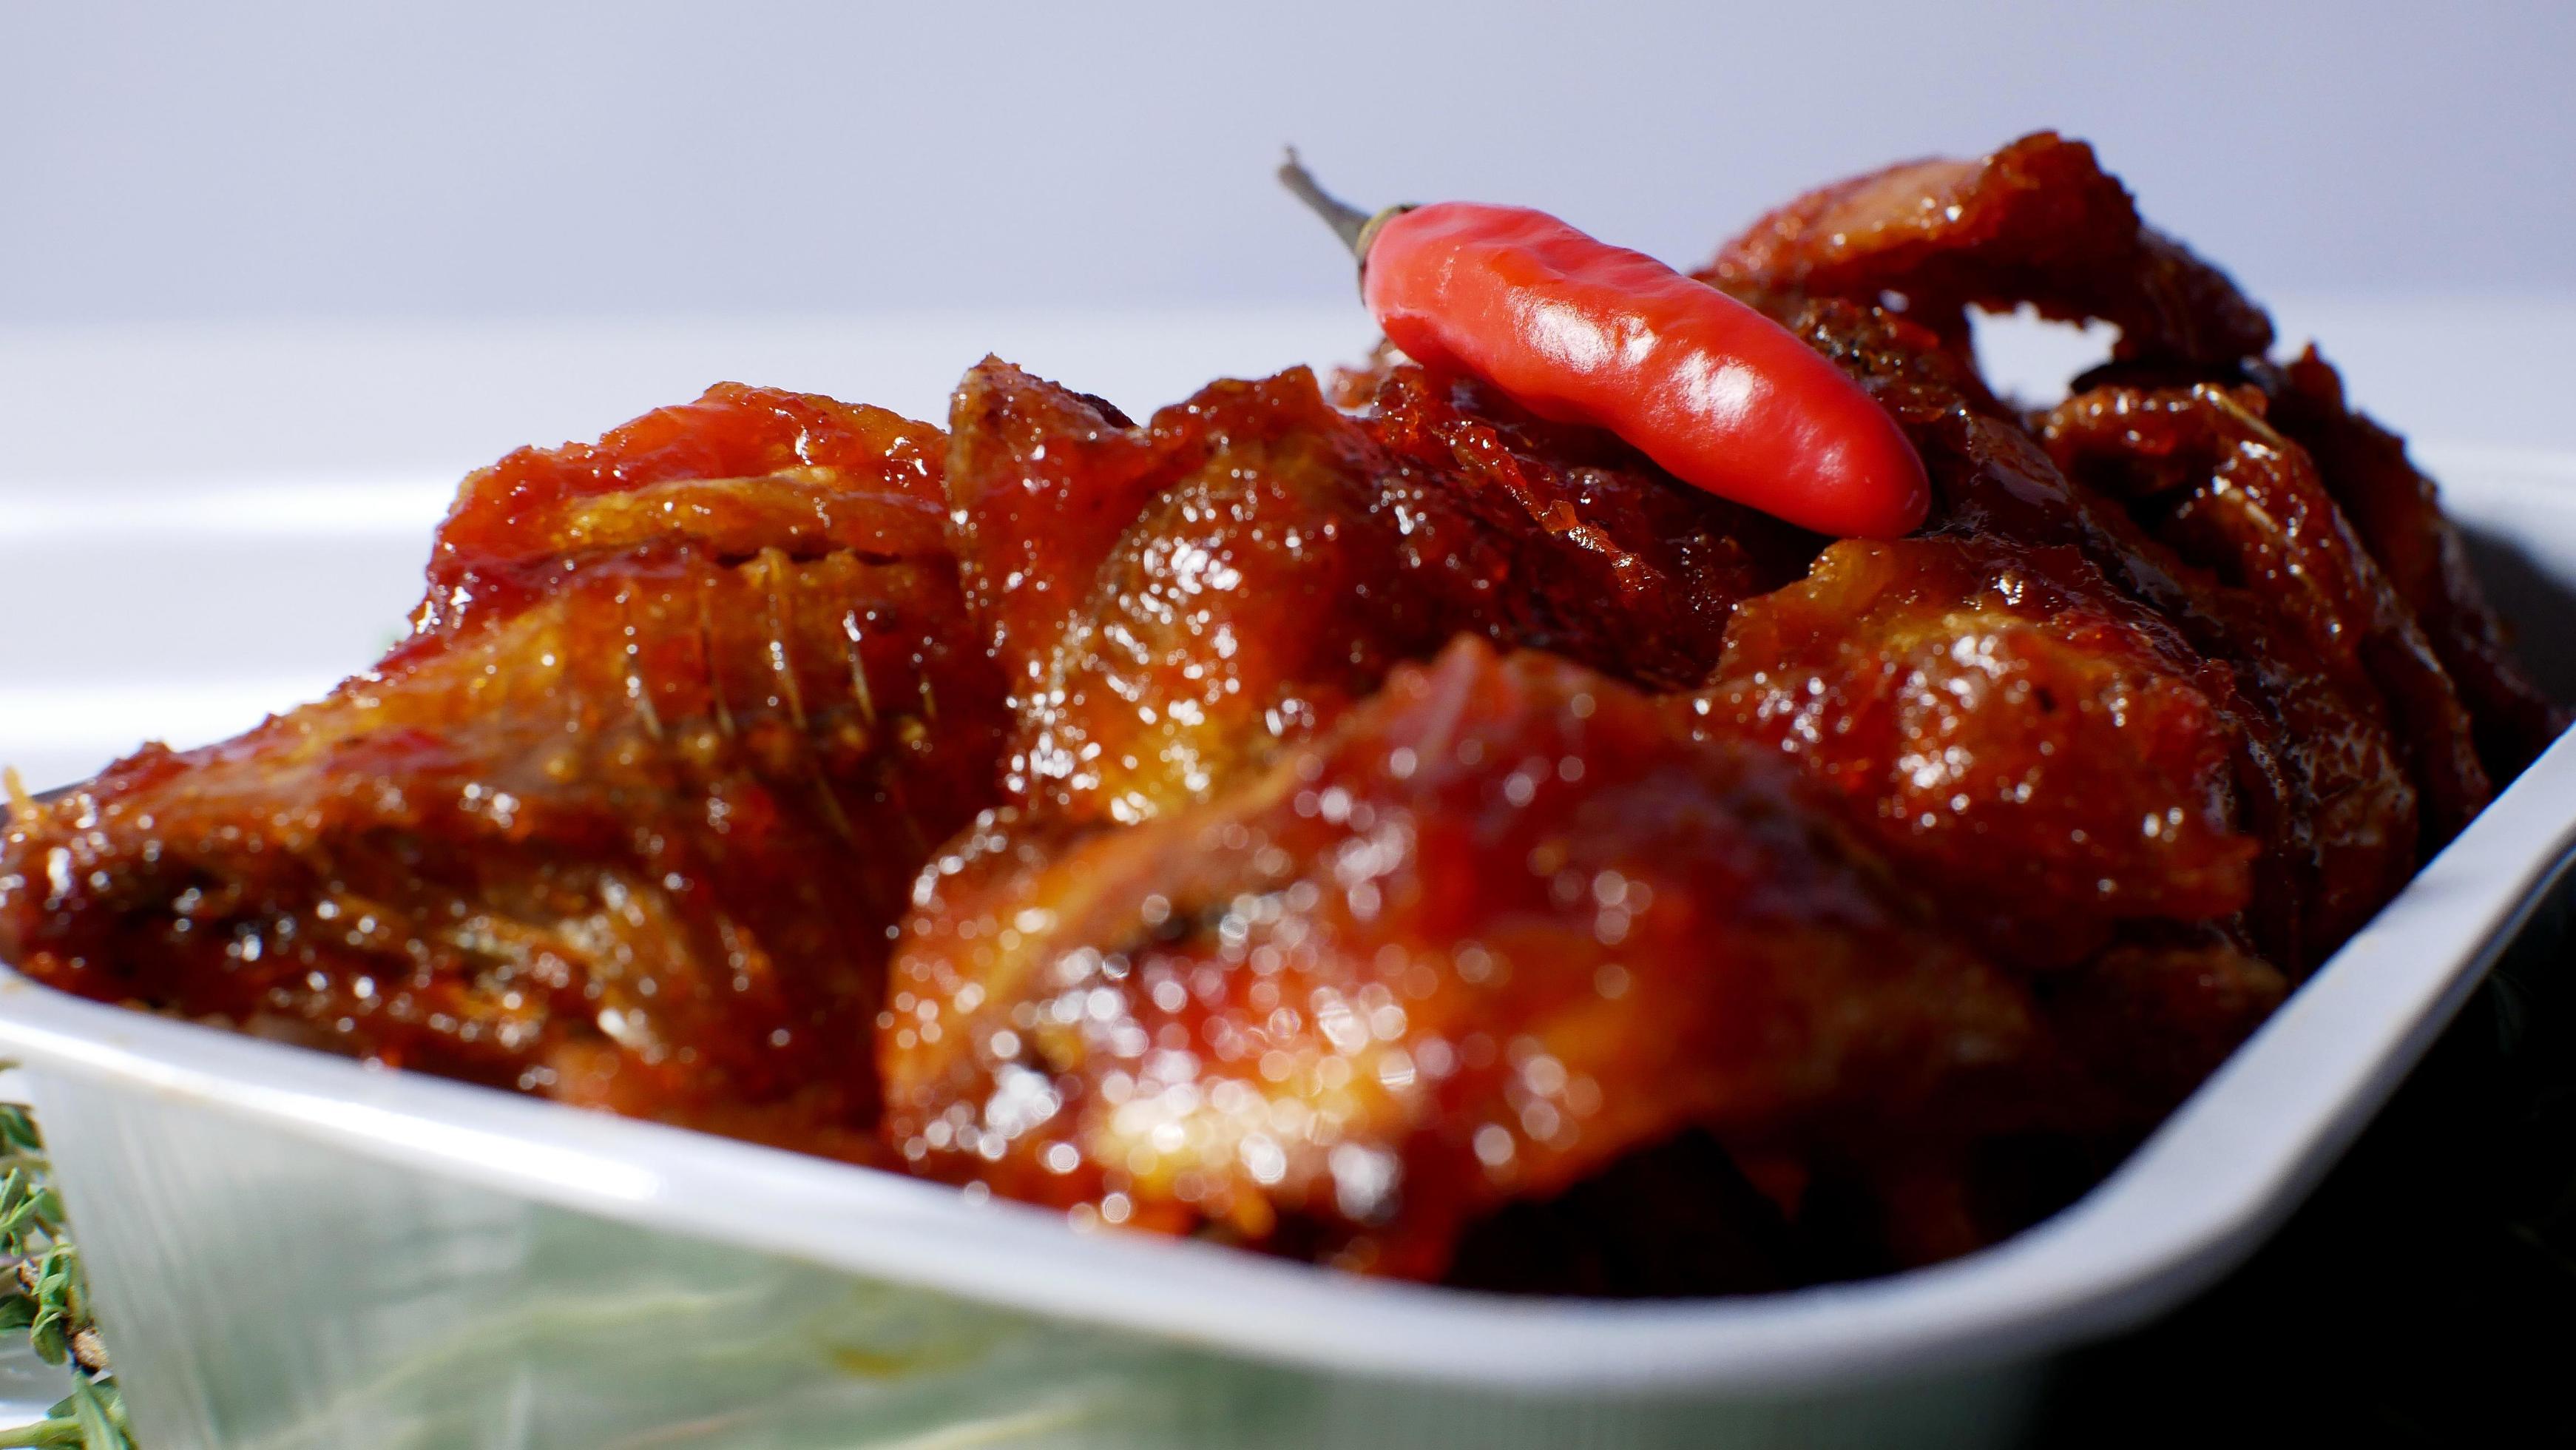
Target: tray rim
2190,1203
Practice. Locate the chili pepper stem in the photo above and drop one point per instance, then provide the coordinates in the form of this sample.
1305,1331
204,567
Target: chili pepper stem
1355,227
1345,219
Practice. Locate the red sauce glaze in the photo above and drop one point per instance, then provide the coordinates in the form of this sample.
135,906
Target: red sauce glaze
627,820
1503,924
1582,332
1407,829
670,469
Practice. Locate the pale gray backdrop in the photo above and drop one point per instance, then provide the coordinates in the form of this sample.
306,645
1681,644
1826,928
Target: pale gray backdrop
273,276
164,161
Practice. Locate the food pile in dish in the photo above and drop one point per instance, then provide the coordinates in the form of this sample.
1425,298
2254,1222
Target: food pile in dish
1367,821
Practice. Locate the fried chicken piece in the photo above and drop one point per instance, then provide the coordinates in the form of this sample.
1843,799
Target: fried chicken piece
1502,925
2397,511
1174,604
2317,777
1644,571
1171,603
1965,692
1810,909
2014,577
2038,222
627,820
2234,496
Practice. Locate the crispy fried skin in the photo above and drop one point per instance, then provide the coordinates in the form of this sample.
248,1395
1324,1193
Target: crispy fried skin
626,820
830,477
1955,693
2038,222
1501,925
2318,778
1405,834
2234,496
2398,513
1173,604
1641,573
1964,692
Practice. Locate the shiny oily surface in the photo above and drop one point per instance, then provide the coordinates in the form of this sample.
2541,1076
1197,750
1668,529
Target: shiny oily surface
1582,332
623,821
1376,824
1502,925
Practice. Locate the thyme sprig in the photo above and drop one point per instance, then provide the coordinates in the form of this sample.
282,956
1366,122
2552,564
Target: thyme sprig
44,1293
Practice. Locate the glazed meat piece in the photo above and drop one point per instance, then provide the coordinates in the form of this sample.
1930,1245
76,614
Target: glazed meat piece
1965,692
2398,513
2038,222
1386,829
1990,477
1173,604
626,820
2317,778
1666,563
2210,477
2056,659
1500,926
1170,603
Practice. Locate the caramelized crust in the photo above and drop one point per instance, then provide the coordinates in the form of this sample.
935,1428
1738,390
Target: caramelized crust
1963,693
2038,223
1175,603
827,477
1393,830
1501,925
1631,572
627,820
2210,477
2397,511
2318,776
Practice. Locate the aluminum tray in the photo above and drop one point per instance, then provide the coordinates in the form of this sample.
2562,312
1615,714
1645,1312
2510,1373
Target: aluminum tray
292,1250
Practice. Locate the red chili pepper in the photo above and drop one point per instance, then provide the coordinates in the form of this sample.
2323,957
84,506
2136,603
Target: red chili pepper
1577,330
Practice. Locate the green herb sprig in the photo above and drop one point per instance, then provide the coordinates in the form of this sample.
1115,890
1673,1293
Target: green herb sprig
44,1294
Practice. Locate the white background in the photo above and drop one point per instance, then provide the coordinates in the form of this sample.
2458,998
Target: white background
273,276
482,158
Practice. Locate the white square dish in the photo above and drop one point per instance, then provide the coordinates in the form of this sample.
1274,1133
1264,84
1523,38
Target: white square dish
294,1250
